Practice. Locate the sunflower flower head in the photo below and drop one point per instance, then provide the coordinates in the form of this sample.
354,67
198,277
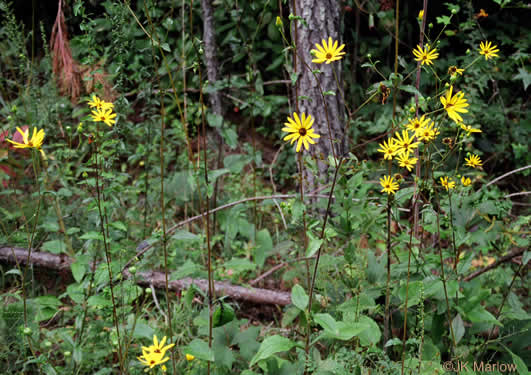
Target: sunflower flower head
97,103
453,71
389,185
416,124
447,183
474,161
151,359
300,130
405,161
454,104
405,144
388,148
35,141
488,50
465,181
428,133
154,355
469,129
327,53
104,115
425,55
158,347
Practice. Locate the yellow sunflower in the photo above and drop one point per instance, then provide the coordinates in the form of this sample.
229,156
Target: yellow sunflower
465,181
469,129
405,144
474,161
388,148
300,130
488,50
34,142
428,133
405,161
425,55
454,104
104,115
416,125
447,183
327,52
454,70
390,186
97,103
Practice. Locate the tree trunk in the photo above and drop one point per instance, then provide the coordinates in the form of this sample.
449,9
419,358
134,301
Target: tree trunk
211,59
323,21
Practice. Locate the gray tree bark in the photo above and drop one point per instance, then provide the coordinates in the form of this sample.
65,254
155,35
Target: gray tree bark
323,20
211,59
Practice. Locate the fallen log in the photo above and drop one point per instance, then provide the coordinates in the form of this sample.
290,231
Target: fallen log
156,279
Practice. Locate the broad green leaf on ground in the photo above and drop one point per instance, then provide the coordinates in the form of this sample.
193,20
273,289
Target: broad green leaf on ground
299,297
200,350
271,345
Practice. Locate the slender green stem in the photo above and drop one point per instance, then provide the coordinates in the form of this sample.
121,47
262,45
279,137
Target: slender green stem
316,266
99,199
387,331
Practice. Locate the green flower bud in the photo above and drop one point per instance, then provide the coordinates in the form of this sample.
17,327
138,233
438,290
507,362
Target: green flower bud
369,55
27,331
132,270
47,344
147,290
430,25
67,354
454,11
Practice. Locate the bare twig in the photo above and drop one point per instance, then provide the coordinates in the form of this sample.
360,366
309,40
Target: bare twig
501,260
507,174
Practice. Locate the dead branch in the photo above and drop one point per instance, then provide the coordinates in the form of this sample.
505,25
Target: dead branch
11,254
501,260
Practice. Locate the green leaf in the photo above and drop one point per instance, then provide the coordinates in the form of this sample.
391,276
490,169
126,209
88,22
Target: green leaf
235,163
479,314
13,271
326,321
313,246
188,269
98,301
78,270
271,345
214,120
299,297
92,235
264,245
413,295
370,335
200,350
183,235
458,327
119,225
240,265
230,136
340,330
526,257
50,226
445,20
524,75
54,246
520,364
246,341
